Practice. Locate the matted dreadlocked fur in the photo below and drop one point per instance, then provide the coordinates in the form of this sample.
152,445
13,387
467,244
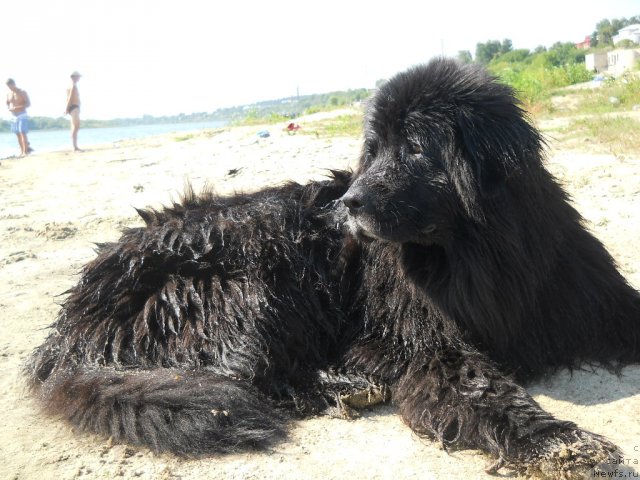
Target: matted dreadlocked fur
447,269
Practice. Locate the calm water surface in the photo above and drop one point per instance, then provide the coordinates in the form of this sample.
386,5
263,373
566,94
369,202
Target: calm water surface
53,140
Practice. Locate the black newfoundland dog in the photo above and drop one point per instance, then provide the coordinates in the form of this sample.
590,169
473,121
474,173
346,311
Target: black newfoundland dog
443,273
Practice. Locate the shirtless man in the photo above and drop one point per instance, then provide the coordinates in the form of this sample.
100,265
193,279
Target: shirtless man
17,103
73,109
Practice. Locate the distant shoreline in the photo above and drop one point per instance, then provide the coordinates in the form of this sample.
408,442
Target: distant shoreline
44,141
39,124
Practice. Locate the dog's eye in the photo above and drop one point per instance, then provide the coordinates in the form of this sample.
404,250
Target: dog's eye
415,148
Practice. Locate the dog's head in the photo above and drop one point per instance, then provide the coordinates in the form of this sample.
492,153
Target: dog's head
440,139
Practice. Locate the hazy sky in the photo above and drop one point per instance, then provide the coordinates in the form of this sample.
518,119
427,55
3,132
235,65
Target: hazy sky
166,57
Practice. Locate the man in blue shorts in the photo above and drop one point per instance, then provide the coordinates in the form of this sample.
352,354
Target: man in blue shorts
17,103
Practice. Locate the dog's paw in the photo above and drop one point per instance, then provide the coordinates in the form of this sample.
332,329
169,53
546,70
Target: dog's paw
573,454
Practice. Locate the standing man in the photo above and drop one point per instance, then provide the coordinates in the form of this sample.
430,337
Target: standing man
17,103
73,108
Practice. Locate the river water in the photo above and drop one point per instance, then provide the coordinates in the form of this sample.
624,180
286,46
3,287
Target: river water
54,140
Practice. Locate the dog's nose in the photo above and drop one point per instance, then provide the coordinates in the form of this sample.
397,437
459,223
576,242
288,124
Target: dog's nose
354,201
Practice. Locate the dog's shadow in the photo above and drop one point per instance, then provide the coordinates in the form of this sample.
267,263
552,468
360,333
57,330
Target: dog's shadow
589,386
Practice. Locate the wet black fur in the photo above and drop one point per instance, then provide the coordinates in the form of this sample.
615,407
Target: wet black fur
448,268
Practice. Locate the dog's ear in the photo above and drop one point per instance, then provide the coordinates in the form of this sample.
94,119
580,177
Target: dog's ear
497,142
482,149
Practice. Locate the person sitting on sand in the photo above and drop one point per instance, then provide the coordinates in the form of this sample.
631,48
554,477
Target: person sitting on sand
17,103
73,109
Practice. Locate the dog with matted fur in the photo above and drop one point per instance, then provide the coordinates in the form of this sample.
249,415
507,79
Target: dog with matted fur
441,275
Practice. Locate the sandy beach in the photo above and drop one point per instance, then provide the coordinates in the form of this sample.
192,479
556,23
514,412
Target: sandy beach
54,206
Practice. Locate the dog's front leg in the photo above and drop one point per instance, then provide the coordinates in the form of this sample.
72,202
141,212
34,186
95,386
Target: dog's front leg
459,397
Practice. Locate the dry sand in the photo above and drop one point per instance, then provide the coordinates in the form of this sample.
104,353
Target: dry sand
54,206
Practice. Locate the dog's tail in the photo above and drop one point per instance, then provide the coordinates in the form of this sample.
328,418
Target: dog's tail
184,412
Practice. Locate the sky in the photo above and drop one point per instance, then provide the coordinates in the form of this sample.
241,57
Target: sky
166,57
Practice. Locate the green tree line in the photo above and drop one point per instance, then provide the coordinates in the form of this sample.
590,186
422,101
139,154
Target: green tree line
288,107
62,123
607,29
533,73
560,53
